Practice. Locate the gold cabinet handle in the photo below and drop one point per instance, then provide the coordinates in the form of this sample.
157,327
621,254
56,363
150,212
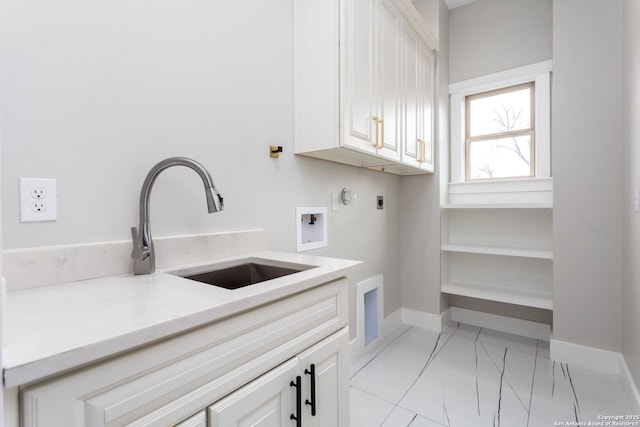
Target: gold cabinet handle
382,131
421,151
377,120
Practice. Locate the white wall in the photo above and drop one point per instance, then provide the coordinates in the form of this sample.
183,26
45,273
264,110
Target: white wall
586,140
3,295
631,223
488,36
587,169
420,195
95,93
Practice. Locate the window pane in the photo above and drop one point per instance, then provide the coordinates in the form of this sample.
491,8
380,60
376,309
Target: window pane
500,113
500,158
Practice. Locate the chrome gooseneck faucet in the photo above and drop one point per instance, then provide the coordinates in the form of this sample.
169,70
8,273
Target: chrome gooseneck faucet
144,261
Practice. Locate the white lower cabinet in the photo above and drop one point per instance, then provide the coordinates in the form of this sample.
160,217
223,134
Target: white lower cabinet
266,402
234,372
310,390
325,368
197,420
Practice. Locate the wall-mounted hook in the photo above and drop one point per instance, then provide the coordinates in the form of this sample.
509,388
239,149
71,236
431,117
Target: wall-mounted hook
275,150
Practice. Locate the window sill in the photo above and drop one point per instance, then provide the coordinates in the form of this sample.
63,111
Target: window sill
538,191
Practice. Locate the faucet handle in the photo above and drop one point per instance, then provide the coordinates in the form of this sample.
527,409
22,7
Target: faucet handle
139,252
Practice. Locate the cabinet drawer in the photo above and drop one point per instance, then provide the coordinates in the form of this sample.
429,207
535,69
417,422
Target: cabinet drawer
182,375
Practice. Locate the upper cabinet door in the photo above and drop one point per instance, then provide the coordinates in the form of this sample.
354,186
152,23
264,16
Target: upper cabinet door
412,111
418,95
389,24
427,98
357,63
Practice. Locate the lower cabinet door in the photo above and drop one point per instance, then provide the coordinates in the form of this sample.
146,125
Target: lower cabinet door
268,401
197,420
324,368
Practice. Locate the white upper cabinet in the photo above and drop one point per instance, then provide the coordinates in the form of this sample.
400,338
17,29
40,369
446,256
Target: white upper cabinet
364,84
360,128
418,95
388,90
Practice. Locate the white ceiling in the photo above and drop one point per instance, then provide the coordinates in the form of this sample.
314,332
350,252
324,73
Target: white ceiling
452,4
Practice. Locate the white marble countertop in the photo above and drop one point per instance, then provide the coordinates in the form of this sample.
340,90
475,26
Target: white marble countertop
57,328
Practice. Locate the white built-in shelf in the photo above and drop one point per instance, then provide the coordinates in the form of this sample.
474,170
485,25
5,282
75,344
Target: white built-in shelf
542,205
493,250
510,296
496,246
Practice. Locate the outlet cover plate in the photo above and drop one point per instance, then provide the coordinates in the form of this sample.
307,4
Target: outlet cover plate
38,199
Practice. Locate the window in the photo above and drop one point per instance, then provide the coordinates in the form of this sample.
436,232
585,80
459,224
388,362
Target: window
500,133
501,128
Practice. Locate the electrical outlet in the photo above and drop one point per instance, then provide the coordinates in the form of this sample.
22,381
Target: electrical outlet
38,199
38,192
38,207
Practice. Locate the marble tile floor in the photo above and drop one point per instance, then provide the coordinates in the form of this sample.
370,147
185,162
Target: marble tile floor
469,376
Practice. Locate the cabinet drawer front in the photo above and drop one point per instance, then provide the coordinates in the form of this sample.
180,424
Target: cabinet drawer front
184,374
198,420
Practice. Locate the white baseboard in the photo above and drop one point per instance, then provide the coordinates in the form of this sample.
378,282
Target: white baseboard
630,388
388,326
391,322
445,319
421,319
596,359
525,328
402,316
355,349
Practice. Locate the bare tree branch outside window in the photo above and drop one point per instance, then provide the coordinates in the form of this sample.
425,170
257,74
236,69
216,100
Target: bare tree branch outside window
500,133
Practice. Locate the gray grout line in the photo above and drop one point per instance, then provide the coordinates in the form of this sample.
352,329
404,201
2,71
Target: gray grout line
504,367
575,396
533,380
553,378
382,348
505,383
475,349
373,395
432,357
429,360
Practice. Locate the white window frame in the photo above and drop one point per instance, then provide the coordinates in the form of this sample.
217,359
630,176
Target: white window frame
540,74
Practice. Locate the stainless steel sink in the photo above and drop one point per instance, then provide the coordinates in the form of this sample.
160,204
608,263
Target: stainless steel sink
248,272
